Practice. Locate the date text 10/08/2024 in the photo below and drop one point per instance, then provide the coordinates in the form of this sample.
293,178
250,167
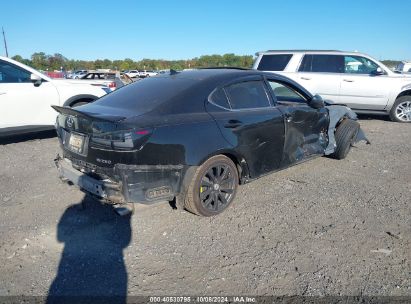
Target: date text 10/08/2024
203,299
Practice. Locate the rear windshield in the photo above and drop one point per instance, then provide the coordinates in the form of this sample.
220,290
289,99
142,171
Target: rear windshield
274,62
145,95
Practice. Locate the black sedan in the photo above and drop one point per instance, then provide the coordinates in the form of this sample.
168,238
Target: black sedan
194,136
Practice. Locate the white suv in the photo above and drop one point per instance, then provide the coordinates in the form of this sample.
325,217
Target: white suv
133,73
26,96
354,79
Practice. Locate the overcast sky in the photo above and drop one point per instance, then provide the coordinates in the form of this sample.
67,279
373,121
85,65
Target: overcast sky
186,29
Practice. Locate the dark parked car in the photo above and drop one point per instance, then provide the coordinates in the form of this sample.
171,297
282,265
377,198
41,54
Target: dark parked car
196,135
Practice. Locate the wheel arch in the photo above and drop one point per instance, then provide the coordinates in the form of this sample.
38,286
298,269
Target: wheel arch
344,117
404,93
238,160
77,98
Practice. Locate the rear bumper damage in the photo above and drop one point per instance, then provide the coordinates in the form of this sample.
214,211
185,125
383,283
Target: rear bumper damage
133,184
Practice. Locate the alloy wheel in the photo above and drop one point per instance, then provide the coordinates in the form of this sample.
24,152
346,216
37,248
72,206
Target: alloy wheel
403,111
217,188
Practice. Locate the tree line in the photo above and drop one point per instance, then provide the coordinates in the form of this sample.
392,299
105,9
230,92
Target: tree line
46,62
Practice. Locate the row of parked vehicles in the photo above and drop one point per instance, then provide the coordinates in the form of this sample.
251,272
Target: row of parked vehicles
81,74
194,136
141,74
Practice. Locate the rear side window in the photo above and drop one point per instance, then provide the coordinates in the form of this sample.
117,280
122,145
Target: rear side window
247,95
274,62
322,64
219,98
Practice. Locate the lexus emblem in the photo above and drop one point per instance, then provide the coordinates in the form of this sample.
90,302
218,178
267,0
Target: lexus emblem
70,122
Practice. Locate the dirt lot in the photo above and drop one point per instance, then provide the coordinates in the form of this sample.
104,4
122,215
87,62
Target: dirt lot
325,227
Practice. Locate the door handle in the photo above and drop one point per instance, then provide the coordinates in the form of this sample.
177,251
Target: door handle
348,80
306,78
233,123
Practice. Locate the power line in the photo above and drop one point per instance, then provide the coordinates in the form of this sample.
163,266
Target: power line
5,43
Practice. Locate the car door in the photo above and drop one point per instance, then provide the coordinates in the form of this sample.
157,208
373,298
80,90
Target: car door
23,103
321,74
305,127
362,87
249,123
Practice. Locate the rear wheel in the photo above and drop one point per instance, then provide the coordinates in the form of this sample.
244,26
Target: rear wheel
401,110
213,187
344,137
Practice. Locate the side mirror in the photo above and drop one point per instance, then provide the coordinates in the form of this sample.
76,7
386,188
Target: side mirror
378,72
36,80
316,102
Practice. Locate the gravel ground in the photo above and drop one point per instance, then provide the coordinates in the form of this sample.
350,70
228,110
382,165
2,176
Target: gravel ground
325,227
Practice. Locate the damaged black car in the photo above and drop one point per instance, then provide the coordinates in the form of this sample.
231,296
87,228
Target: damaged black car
194,136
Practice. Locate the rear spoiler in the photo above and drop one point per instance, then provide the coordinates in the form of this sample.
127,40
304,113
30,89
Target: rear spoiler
88,115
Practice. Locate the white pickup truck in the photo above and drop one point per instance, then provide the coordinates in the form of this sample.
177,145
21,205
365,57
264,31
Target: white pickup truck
26,97
351,78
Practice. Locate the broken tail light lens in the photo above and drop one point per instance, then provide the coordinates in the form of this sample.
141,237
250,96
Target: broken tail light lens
125,140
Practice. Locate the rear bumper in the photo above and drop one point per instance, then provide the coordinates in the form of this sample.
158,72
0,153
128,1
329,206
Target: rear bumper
135,184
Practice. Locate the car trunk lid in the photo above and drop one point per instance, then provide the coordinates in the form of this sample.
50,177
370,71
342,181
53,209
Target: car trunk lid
81,130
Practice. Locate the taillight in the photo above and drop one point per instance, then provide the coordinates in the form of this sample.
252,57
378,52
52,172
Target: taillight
142,132
124,140
112,85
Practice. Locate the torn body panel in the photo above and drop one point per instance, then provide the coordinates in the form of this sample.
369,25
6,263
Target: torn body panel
126,183
337,113
305,132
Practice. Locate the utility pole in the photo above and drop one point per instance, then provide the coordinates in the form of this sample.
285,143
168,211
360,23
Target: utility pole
5,43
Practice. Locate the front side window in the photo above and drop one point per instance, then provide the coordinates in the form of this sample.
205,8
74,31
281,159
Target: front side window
322,64
247,95
359,65
285,93
10,73
274,62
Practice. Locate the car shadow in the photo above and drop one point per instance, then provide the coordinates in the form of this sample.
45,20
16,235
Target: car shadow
91,267
5,140
373,117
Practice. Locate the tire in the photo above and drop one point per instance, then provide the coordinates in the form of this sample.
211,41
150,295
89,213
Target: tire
401,109
344,137
206,195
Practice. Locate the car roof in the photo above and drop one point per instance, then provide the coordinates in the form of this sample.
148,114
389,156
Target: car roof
303,50
208,73
214,77
221,73
336,52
